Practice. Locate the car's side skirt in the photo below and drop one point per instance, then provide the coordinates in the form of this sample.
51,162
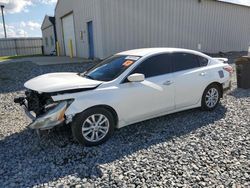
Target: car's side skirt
123,123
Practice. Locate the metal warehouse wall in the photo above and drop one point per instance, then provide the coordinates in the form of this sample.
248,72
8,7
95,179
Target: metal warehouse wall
20,46
217,26
83,11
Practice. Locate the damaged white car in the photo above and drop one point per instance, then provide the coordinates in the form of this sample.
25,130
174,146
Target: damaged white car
125,88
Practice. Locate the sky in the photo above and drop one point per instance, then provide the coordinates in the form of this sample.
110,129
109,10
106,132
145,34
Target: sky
23,18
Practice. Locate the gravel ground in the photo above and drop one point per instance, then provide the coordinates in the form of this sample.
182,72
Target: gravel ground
187,149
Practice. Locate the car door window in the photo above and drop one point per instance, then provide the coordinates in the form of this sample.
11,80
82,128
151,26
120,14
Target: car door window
185,61
155,66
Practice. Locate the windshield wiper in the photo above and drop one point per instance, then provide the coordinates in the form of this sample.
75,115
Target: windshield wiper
89,77
88,69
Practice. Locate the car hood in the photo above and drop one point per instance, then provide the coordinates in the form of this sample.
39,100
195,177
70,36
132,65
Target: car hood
55,82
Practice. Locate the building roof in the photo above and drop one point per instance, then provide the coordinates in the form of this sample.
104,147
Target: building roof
220,1
52,19
48,21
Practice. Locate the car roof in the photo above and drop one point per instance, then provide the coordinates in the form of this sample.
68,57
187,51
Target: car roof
149,51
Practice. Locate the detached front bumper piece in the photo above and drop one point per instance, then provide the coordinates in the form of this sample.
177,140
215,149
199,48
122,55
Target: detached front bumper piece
52,118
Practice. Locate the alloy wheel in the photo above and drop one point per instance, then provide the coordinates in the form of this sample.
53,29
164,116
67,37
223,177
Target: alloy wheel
212,97
95,127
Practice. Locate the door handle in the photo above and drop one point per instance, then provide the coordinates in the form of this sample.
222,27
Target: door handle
167,83
203,74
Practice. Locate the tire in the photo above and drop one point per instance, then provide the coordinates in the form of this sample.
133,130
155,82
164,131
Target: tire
214,92
84,126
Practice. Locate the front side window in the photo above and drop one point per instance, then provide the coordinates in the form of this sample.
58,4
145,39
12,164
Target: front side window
111,68
185,61
155,66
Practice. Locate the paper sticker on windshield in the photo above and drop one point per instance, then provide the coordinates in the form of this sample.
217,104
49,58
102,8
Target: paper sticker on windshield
134,58
127,63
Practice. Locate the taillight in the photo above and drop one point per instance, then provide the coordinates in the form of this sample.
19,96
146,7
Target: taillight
229,69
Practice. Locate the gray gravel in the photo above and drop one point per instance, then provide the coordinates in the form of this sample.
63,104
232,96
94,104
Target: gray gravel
187,149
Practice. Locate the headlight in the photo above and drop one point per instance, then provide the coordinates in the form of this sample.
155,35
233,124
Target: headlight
52,105
54,116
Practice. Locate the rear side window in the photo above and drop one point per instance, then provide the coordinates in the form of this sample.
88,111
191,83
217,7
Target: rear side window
155,66
203,61
185,61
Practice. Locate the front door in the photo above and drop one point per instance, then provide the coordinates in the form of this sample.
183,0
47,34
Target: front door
152,97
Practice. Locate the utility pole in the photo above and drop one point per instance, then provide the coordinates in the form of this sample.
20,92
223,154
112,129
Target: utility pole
4,28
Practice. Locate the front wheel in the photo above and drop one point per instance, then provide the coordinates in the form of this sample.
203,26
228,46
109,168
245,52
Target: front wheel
211,97
93,127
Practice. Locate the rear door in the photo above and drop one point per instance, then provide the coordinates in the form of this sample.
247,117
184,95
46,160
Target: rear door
153,96
191,76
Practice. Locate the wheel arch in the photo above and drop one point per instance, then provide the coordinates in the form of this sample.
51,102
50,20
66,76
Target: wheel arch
219,85
110,109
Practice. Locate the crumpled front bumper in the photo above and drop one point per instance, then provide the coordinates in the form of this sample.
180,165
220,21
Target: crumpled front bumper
50,119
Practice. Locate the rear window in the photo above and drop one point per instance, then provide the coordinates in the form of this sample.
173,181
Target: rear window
203,61
185,61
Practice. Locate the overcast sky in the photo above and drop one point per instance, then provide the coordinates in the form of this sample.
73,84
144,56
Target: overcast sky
24,17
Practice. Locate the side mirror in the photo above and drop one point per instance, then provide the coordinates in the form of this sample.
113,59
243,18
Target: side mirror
136,77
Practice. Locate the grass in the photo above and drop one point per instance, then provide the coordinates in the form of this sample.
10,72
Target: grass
5,58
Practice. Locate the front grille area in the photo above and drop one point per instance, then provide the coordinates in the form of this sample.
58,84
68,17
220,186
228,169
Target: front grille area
36,102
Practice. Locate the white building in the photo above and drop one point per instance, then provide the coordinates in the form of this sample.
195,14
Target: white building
49,35
99,28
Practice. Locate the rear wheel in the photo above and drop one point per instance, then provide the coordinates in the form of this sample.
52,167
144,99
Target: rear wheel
211,97
93,127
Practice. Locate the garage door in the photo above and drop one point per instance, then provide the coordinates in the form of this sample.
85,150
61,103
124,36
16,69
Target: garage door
69,34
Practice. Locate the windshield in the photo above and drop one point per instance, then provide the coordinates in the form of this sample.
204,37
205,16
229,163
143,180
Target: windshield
111,68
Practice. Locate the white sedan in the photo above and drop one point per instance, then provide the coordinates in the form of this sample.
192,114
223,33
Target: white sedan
126,88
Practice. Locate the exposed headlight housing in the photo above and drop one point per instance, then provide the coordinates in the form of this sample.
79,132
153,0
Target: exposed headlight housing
53,117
